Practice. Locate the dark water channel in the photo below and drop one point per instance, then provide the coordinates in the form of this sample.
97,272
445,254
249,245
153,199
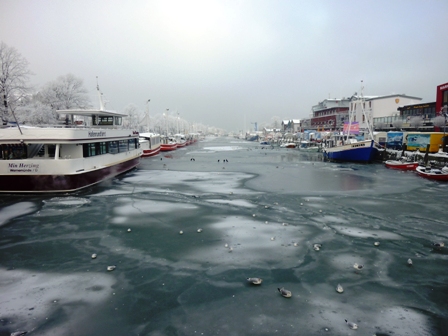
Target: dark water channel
260,214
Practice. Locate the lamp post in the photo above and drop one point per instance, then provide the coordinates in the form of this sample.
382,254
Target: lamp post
147,114
166,124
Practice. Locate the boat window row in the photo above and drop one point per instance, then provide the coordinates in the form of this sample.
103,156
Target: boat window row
111,147
12,151
358,145
106,121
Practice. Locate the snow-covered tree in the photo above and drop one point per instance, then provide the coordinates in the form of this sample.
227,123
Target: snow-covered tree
397,123
416,121
36,113
66,92
13,80
134,116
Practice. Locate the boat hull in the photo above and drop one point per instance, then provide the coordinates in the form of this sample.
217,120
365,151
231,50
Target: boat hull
167,147
392,164
63,183
151,152
432,174
362,151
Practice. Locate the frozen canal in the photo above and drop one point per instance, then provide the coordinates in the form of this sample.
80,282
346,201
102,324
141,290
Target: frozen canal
260,214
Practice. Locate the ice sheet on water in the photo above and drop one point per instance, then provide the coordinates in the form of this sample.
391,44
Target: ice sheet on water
223,148
252,244
238,203
127,208
57,206
366,233
66,201
188,183
16,210
28,298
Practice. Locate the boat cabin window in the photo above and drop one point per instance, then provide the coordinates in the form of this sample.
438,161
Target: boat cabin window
106,120
92,149
113,147
102,120
11,152
51,150
123,146
132,144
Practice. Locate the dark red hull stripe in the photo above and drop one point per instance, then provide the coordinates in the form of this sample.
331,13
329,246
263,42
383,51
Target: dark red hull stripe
62,183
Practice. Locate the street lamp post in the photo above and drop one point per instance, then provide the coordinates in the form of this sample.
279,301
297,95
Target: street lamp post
166,125
147,114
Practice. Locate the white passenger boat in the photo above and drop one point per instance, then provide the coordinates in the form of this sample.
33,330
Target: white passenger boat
91,147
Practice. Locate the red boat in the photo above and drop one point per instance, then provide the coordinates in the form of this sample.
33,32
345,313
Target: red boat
149,143
433,174
166,147
401,164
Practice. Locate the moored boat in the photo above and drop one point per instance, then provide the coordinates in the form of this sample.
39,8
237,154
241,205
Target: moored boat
350,149
91,147
149,143
357,151
180,140
401,164
288,145
167,144
433,173
308,146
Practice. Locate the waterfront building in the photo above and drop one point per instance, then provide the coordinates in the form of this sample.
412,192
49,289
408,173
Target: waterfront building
442,99
381,109
329,114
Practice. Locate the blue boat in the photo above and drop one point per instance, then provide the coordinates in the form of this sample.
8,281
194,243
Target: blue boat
358,151
346,147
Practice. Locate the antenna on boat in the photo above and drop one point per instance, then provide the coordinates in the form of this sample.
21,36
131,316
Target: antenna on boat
100,95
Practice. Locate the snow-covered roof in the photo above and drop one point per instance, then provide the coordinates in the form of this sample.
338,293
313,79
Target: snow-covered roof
84,112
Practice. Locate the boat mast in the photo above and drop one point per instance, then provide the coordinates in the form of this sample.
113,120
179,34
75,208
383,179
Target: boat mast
351,111
366,116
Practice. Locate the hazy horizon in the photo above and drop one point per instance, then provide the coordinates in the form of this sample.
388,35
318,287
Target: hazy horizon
222,63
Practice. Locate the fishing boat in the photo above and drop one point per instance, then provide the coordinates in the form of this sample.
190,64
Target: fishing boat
288,145
167,144
433,173
401,164
90,147
149,143
348,148
180,140
307,146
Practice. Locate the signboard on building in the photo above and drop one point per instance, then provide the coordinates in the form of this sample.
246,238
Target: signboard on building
354,128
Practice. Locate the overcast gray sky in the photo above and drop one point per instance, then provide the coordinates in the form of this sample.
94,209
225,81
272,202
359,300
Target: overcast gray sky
216,62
